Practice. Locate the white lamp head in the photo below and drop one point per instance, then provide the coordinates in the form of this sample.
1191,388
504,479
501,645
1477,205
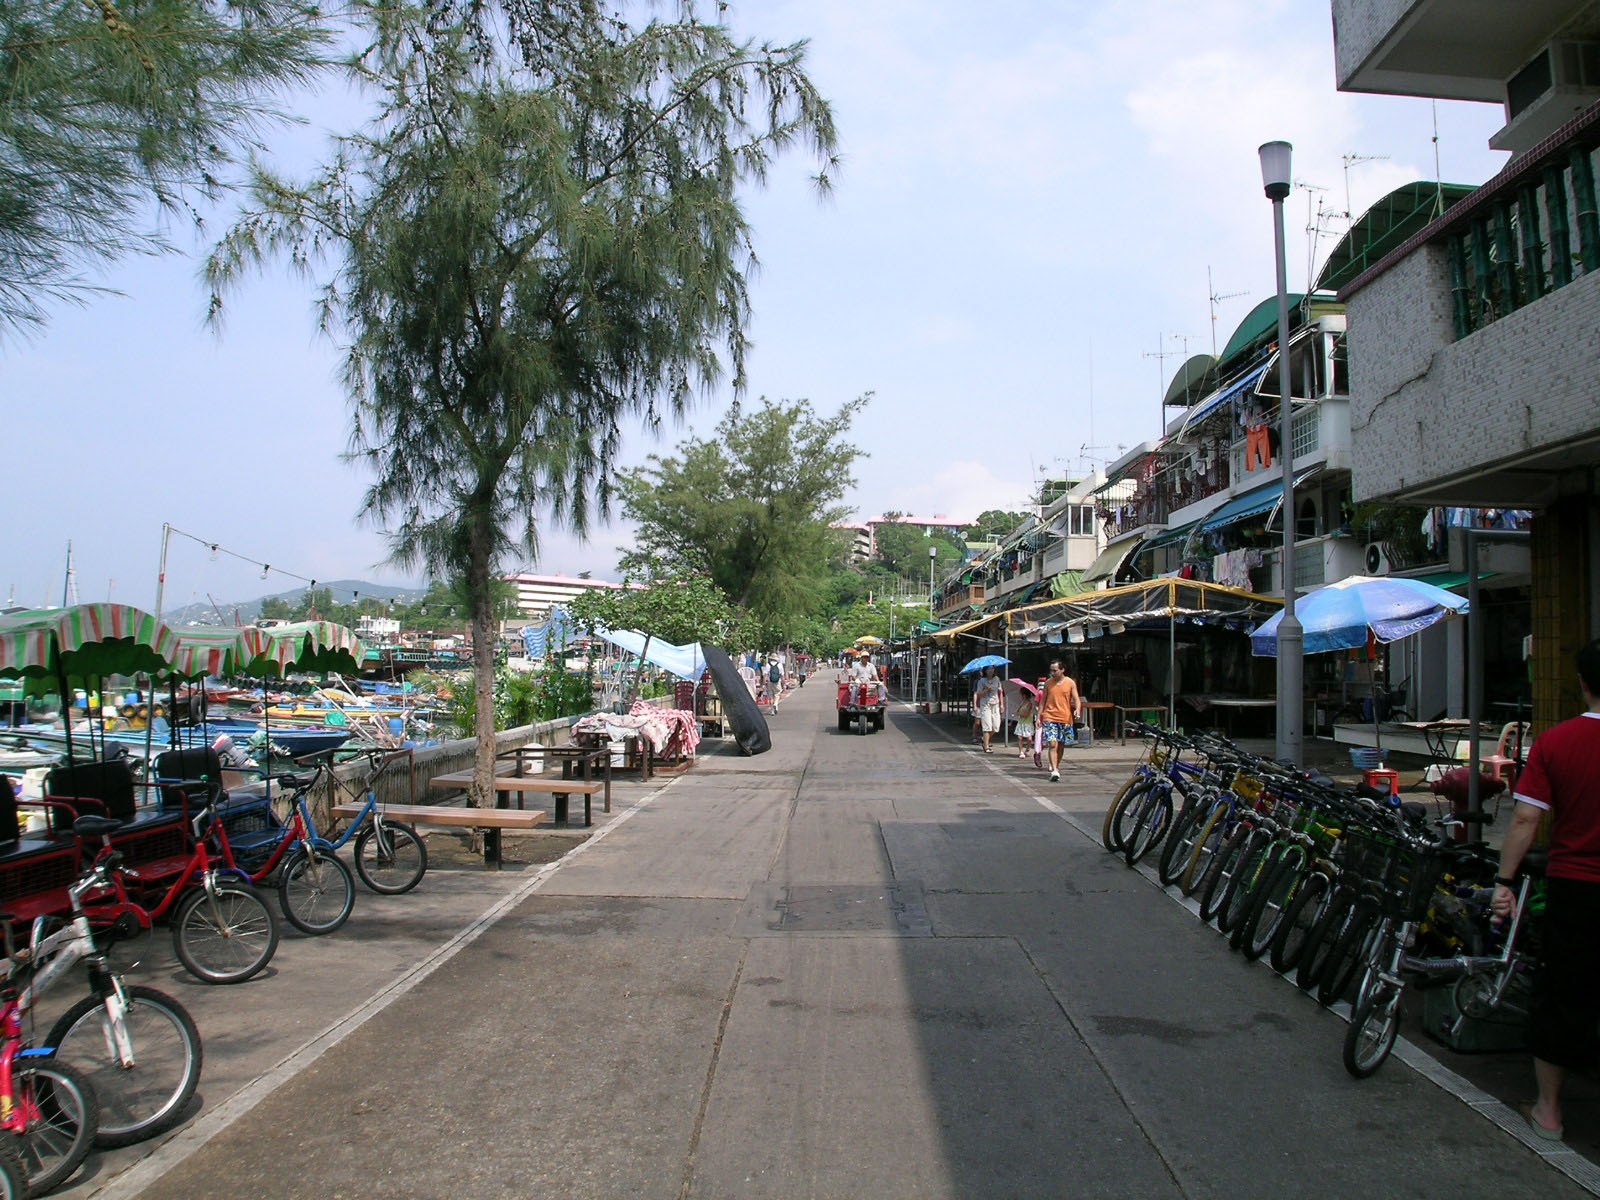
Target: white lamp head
1275,170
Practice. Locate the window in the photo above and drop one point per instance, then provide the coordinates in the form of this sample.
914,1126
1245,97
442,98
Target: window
1080,520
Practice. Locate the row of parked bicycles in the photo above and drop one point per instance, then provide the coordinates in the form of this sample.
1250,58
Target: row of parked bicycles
1354,893
123,1063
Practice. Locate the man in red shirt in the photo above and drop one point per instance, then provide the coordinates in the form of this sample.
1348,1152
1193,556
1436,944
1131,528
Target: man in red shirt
1562,778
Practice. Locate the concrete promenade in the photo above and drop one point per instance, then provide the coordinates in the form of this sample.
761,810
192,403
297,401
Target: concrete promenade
879,966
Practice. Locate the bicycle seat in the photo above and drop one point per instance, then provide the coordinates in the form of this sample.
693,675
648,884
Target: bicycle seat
92,826
294,782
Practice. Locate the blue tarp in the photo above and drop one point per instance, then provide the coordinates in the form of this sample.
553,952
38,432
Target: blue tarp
1212,402
686,662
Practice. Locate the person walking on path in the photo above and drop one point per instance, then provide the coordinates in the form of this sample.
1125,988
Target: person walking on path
988,701
1562,778
1057,713
1027,713
774,678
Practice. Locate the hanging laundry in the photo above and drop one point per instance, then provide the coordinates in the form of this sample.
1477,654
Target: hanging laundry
1257,447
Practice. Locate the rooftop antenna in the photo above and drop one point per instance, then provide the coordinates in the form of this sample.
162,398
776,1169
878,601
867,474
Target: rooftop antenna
1351,160
1314,225
1161,374
1438,174
1211,291
69,586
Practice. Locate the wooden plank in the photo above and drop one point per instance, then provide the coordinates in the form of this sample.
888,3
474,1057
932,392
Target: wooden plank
525,783
443,814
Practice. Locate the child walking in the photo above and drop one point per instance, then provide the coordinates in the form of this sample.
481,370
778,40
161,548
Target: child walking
1027,713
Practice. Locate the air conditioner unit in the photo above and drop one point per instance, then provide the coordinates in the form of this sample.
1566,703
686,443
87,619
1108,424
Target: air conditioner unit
1379,558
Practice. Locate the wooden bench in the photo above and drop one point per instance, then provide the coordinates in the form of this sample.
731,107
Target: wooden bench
490,820
520,785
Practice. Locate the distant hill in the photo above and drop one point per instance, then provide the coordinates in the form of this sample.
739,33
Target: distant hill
345,591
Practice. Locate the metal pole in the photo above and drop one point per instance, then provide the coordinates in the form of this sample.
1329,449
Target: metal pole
1474,681
1172,669
1291,636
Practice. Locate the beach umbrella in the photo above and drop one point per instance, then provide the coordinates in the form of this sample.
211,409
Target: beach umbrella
985,660
1343,615
1347,614
1015,690
869,640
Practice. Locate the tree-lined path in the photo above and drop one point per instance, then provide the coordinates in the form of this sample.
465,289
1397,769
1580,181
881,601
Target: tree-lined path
853,967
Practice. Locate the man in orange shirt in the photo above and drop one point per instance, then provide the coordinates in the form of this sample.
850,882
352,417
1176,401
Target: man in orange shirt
1057,713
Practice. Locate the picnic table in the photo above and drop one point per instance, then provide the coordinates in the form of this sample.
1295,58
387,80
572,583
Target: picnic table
1137,710
571,758
505,786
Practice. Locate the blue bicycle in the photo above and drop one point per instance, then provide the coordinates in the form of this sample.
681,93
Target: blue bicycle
389,856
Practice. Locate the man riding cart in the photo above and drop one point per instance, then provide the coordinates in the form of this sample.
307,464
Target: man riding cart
863,699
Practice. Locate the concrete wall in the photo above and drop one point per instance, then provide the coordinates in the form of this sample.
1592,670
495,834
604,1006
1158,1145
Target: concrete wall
1359,26
1424,406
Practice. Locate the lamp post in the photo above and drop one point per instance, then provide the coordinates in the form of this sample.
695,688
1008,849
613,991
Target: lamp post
1276,181
933,553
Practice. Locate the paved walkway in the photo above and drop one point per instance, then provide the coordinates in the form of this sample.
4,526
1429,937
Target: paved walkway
877,966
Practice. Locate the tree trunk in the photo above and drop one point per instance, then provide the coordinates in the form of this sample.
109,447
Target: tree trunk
483,647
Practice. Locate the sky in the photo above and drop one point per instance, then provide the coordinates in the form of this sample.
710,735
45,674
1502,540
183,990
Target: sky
1031,197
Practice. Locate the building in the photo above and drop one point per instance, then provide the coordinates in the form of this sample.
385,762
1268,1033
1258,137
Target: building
377,631
1474,340
538,594
858,539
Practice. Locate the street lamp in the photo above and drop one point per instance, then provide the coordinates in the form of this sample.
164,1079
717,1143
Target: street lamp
1276,181
933,553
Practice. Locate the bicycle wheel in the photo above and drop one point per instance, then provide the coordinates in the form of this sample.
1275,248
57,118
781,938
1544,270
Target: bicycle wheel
1373,1028
1272,899
1230,910
1290,938
227,938
1149,826
1120,818
1133,781
13,1174
1212,836
62,1117
1179,843
1347,957
1223,865
316,890
149,1097
1324,936
393,863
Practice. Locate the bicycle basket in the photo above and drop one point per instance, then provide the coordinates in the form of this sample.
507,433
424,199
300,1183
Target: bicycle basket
1367,855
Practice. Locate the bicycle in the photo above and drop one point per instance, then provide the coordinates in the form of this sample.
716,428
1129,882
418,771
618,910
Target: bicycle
315,889
138,1047
389,856
45,1103
222,931
1407,894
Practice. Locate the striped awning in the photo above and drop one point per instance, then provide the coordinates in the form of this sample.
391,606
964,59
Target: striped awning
85,641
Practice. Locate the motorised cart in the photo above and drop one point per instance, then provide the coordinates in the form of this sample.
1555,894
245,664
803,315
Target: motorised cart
863,704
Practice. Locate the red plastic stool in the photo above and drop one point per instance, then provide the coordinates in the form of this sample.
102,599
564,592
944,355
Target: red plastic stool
1382,777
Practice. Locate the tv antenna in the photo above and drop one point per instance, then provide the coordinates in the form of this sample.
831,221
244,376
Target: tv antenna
1160,356
1315,225
1211,291
1352,160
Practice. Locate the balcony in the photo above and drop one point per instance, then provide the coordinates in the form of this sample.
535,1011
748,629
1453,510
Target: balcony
1474,343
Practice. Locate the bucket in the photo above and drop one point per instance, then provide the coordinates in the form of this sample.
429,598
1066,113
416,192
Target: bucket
1365,758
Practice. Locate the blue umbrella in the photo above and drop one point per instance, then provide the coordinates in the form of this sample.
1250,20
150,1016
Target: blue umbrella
1342,615
987,660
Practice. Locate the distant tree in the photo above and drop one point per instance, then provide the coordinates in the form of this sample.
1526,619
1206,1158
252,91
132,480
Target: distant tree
673,610
106,105
276,608
751,506
539,237
903,550
993,525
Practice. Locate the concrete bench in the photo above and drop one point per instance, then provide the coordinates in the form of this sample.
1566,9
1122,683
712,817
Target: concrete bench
520,785
490,820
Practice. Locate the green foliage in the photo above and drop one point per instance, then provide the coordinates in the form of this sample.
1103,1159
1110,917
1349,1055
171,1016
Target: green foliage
993,525
750,507
1398,525
526,697
678,610
107,105
903,551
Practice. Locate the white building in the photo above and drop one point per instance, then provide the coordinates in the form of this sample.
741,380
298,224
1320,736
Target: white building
379,631
537,594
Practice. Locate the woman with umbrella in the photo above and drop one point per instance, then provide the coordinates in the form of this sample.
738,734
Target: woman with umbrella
988,701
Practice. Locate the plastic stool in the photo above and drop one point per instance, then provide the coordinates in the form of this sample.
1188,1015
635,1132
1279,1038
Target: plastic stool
1382,777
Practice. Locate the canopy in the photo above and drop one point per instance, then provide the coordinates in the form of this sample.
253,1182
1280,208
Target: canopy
869,640
1117,608
83,642
1242,508
555,632
1109,561
1343,615
313,646
1221,396
217,649
686,662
